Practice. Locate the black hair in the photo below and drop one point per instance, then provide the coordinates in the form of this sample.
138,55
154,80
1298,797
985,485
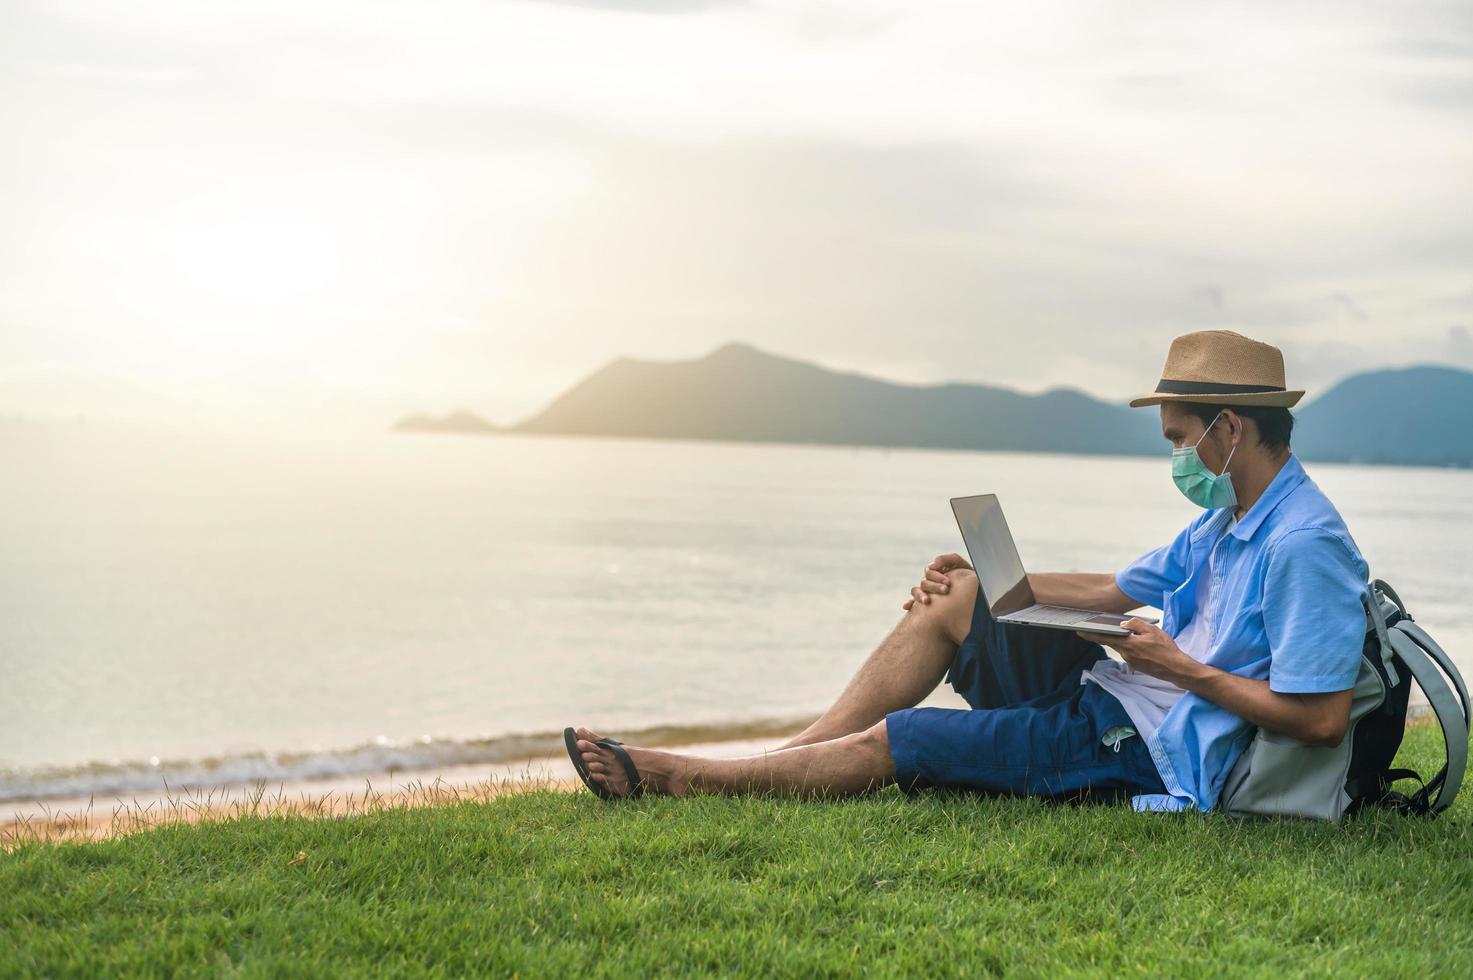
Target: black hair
1275,424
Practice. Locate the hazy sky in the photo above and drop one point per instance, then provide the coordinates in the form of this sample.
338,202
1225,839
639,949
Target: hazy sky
242,213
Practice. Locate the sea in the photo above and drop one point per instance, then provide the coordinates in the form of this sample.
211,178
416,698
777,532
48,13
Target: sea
190,609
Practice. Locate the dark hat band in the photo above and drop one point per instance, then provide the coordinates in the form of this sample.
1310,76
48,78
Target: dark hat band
1168,387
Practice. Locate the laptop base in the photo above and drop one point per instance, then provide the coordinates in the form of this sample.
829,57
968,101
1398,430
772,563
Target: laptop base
1088,622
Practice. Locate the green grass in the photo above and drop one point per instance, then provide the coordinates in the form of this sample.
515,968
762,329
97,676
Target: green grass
561,884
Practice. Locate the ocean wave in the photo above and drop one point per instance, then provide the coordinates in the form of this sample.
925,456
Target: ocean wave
107,779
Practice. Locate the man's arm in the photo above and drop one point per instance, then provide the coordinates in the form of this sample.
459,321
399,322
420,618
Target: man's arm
1149,576
1081,590
1317,719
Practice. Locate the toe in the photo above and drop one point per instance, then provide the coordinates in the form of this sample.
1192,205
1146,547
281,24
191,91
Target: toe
600,762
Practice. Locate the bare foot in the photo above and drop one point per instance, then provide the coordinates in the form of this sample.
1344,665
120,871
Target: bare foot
659,772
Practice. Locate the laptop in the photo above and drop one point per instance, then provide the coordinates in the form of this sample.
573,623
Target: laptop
1004,584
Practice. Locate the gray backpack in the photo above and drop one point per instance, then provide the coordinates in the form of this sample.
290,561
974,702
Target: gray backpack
1278,776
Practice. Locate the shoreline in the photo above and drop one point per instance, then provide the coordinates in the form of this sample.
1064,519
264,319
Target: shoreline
81,819
67,784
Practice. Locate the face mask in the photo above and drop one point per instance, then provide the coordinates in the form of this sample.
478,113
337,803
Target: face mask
1199,484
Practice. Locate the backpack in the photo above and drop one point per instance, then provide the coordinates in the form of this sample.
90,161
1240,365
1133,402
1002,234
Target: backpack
1277,775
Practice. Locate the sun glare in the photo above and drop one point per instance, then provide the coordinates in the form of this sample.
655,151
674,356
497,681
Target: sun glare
258,264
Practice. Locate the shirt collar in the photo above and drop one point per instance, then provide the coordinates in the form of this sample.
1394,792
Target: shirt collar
1290,475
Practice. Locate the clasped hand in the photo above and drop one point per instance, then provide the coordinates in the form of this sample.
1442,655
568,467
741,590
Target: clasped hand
1149,650
935,580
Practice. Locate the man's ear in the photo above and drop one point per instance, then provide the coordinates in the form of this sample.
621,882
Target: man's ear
1235,426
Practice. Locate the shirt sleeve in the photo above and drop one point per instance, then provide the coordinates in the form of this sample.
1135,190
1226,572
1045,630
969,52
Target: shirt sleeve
1312,613
1146,579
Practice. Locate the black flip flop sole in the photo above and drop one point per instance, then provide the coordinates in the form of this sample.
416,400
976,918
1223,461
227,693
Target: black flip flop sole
636,783
570,739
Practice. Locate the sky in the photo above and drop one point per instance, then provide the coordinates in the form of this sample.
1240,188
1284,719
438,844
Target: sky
326,214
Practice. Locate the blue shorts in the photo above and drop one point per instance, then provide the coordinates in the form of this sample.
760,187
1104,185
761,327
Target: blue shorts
1033,728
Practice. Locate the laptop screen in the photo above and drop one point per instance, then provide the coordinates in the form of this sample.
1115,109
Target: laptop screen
994,555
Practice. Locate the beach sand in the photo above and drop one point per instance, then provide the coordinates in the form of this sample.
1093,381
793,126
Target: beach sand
83,819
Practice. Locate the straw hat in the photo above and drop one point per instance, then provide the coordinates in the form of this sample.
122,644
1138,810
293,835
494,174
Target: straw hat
1220,367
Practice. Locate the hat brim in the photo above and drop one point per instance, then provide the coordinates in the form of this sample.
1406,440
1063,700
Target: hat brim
1264,399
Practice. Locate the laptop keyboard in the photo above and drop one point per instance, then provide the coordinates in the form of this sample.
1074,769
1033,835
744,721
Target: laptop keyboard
1052,614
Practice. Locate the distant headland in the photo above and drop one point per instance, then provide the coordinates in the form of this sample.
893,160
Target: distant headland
1412,416
466,423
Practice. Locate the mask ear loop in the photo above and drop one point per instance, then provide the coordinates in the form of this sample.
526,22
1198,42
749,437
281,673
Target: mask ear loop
1207,430
1227,462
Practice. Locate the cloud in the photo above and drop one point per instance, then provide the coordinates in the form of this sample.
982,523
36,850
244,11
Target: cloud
1208,296
117,74
1426,48
1454,92
647,6
1031,195
1349,306
1456,346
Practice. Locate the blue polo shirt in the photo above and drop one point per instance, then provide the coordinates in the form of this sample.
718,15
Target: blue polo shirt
1288,581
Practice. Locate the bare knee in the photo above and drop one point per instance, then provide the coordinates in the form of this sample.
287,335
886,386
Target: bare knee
875,738
874,745
951,611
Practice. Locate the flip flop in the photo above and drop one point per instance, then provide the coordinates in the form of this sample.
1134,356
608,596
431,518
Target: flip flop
636,782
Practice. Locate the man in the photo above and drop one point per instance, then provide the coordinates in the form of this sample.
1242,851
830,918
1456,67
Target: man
1262,626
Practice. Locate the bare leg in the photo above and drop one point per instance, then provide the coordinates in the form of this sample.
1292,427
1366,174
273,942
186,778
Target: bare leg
904,668
846,766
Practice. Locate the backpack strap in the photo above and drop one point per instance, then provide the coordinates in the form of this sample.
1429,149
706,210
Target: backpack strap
1451,714
1430,647
1376,617
1390,593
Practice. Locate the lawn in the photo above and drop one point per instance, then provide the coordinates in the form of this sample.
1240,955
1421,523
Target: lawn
548,883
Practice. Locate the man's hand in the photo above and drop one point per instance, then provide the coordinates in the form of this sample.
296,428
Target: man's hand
1149,650
934,579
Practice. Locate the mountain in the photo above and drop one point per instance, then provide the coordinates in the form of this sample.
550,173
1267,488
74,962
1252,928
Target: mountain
1418,415
461,421
738,392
